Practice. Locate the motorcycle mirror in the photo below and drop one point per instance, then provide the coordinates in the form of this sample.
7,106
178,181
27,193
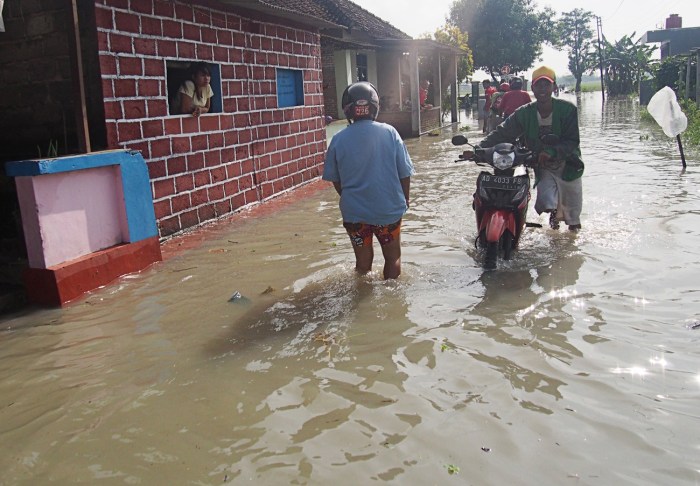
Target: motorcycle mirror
550,139
459,140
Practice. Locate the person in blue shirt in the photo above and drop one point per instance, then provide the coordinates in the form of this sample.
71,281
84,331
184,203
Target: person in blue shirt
370,168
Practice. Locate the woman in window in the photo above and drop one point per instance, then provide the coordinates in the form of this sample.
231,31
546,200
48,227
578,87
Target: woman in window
194,96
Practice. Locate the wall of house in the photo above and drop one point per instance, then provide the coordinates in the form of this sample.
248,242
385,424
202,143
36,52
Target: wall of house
330,93
389,80
206,167
35,74
344,67
345,62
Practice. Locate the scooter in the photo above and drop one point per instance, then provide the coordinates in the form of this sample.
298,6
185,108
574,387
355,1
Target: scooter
501,198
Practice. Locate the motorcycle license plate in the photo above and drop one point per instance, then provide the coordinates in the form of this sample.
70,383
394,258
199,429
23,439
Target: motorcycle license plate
502,182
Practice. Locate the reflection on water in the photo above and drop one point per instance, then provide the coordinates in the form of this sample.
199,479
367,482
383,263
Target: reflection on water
574,361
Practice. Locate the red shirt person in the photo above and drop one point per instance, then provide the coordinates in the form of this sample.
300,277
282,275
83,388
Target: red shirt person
488,92
423,94
515,98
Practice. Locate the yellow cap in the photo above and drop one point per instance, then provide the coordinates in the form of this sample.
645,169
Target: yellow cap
543,72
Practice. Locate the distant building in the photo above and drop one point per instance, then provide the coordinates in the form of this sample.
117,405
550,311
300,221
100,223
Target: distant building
674,39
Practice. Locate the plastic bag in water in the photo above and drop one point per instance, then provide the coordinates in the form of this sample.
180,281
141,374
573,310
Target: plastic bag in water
665,109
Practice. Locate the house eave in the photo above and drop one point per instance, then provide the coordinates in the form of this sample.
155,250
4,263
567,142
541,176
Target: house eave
277,11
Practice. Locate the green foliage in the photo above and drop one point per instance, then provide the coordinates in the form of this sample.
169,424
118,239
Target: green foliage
574,34
625,62
692,133
672,72
451,35
590,86
51,151
503,32
666,72
452,469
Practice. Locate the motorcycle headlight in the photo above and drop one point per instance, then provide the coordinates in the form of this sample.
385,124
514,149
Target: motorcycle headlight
503,161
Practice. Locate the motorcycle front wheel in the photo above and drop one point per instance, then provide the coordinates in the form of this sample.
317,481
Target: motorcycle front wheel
507,241
481,240
491,255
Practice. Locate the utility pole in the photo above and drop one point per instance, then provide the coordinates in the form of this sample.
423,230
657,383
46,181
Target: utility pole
599,25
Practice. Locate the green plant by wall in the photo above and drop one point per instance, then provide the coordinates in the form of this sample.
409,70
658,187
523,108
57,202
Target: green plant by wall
51,151
692,133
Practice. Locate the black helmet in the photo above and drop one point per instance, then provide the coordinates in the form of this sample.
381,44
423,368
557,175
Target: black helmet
516,82
361,101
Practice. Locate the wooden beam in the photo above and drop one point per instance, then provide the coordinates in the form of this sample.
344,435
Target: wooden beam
79,84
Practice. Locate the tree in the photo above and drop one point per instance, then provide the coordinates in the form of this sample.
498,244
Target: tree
453,36
671,71
503,32
625,62
576,36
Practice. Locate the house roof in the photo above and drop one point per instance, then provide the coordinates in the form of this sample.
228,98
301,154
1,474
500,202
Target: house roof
284,10
339,19
326,14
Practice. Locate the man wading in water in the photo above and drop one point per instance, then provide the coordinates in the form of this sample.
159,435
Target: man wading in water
371,170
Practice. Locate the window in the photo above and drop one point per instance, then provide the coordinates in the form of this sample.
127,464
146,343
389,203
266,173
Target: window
361,62
290,88
177,72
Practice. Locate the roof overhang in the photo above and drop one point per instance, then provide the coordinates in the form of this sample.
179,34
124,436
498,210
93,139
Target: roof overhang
341,43
285,13
421,46
651,36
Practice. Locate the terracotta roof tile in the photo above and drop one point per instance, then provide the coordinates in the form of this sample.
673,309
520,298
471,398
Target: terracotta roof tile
341,12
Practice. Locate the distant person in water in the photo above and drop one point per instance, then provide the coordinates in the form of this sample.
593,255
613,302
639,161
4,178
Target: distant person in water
514,98
495,114
423,94
488,92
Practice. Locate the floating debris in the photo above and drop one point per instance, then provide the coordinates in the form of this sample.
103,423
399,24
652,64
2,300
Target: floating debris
238,298
693,325
268,290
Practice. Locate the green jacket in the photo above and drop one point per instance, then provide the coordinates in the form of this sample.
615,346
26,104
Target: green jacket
523,123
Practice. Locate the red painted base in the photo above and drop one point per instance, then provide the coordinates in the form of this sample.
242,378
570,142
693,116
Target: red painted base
55,286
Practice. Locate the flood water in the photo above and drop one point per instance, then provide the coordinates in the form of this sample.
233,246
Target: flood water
573,363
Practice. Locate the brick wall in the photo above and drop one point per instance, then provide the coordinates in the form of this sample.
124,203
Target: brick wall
35,75
206,167
329,83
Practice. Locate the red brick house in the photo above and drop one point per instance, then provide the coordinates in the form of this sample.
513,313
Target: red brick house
109,84
92,75
83,76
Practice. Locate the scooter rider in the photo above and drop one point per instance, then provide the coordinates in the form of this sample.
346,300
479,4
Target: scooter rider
515,98
559,168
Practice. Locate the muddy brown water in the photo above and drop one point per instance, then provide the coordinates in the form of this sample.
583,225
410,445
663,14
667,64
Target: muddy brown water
574,363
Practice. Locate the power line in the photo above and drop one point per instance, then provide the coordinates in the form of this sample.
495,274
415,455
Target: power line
618,8
645,21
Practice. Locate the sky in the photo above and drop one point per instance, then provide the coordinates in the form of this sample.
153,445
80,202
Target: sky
618,18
